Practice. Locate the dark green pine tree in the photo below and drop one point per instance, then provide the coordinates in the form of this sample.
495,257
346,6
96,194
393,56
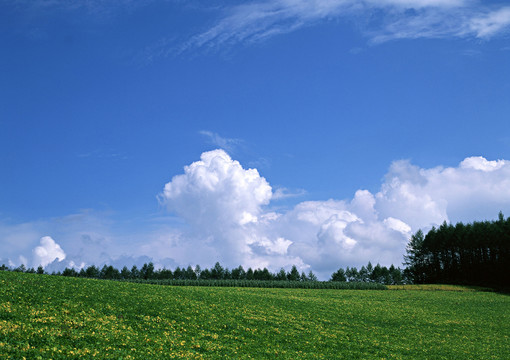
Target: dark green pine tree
293,275
339,275
415,258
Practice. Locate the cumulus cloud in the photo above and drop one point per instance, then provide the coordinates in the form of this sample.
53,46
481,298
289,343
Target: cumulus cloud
217,187
226,207
329,234
47,252
381,20
221,201
476,189
480,163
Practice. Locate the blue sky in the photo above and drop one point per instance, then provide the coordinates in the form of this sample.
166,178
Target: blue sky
102,103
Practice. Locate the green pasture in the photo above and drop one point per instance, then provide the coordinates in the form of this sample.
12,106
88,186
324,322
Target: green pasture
52,317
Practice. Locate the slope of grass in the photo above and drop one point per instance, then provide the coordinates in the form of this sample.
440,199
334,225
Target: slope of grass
60,318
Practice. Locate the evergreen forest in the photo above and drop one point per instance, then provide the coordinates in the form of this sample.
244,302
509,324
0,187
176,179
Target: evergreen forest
468,254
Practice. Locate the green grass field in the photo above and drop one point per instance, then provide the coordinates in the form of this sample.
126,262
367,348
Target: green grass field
52,317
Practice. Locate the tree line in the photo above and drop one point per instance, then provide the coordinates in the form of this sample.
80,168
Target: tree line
477,253
367,274
376,274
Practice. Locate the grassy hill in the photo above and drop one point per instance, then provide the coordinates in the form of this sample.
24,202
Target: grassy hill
66,318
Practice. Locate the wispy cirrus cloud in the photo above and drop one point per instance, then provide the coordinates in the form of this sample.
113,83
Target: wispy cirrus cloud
284,193
258,20
380,20
216,139
491,23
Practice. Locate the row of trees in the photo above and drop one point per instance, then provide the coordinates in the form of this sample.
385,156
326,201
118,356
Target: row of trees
149,272
473,254
23,268
376,274
369,273
217,272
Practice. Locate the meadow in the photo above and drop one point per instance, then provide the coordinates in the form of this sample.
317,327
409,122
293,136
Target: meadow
53,317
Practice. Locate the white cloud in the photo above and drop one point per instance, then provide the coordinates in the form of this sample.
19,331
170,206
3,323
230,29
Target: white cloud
217,188
397,225
222,202
381,20
225,207
476,189
406,195
480,163
219,200
47,252
329,234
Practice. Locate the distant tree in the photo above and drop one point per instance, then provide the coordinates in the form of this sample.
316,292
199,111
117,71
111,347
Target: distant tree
103,271
109,272
293,275
40,270
92,272
281,275
228,274
348,273
377,274
370,269
21,268
396,275
4,267
311,276
217,272
339,275
179,274
238,273
265,274
198,271
164,274
135,273
125,273
386,276
249,274
204,275
71,272
364,275
190,273
147,271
